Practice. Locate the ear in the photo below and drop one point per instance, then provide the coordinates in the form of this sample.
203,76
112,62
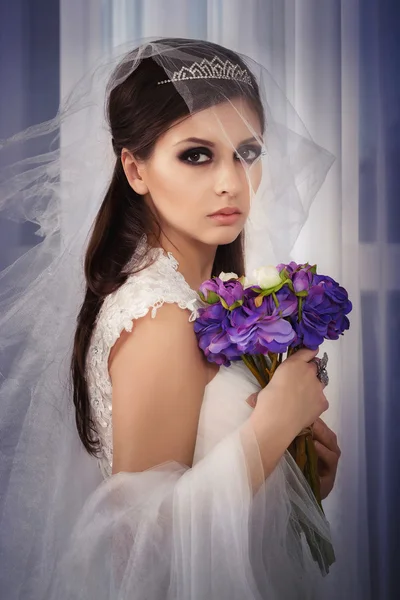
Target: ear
132,169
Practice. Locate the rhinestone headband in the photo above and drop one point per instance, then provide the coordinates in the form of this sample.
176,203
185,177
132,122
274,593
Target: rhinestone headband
214,69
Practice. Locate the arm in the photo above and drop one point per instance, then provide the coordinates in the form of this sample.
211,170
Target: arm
158,376
158,380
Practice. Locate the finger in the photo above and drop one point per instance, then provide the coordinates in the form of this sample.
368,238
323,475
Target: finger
325,435
252,400
304,354
329,458
326,485
313,365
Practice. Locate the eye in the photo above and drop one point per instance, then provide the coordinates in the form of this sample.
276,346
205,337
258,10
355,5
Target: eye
249,153
195,156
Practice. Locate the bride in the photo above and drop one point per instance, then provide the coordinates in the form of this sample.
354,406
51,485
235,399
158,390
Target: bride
137,469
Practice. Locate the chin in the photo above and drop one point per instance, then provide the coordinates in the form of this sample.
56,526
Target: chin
223,236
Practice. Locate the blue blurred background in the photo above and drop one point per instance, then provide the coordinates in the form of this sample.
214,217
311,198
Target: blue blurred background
339,63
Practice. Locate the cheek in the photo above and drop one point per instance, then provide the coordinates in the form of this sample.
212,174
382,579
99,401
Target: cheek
165,184
176,190
253,180
255,176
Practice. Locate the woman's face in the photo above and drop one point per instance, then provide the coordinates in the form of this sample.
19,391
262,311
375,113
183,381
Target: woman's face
187,180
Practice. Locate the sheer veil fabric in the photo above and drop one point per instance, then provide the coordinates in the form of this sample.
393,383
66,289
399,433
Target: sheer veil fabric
69,530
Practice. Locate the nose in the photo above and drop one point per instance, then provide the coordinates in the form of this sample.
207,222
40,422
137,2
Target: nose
229,179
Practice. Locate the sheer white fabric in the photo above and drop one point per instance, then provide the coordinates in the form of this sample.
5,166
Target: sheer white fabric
180,533
71,530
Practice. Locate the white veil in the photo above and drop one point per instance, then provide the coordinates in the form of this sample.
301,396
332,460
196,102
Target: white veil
53,500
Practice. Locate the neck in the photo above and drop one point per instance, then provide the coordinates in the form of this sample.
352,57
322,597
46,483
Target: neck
195,258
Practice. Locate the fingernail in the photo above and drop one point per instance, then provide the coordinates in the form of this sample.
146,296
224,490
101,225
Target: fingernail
252,401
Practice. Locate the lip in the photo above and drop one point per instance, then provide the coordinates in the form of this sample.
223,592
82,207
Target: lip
225,219
227,211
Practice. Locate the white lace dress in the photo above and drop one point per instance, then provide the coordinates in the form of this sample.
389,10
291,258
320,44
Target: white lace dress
179,533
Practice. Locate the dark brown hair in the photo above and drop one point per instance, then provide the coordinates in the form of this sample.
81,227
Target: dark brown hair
138,112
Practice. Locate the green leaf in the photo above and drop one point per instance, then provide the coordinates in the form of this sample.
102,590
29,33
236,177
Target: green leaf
236,304
224,304
284,274
290,285
258,300
212,298
271,290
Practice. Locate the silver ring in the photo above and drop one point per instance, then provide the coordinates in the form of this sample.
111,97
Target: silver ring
323,376
322,372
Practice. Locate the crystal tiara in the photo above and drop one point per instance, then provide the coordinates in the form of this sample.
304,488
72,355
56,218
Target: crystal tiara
211,69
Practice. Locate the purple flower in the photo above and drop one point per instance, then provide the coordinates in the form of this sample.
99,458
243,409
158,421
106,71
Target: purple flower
263,329
316,316
341,305
208,291
292,267
211,331
230,293
302,280
300,275
225,335
324,312
305,311
333,290
288,302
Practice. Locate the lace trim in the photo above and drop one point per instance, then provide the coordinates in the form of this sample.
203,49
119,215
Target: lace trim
159,283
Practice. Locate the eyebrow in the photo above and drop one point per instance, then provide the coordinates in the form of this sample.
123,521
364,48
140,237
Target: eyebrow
211,144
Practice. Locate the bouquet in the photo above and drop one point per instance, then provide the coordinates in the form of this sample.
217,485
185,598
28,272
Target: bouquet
283,309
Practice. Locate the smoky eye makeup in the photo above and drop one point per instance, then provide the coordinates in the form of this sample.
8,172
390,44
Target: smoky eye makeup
250,152
196,156
202,155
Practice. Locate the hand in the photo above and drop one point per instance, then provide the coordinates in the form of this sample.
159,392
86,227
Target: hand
294,397
328,451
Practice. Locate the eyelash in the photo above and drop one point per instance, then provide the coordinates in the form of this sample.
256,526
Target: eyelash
188,153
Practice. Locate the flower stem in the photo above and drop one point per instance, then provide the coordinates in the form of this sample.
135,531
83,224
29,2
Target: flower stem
265,368
300,309
247,359
274,363
312,470
259,365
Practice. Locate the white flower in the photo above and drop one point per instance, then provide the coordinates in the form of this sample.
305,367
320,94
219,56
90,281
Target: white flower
267,277
227,276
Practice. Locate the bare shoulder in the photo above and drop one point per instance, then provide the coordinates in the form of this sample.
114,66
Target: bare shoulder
170,331
158,379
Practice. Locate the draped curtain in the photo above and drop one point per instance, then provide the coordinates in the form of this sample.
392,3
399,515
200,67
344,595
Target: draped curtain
328,57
